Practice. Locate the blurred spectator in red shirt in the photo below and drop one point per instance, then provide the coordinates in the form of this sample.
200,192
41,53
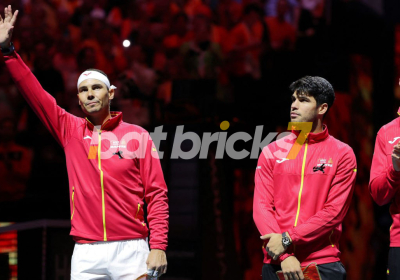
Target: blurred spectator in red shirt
202,57
64,61
282,33
178,34
229,13
245,43
49,77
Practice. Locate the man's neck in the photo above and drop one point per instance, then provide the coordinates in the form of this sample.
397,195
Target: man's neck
317,127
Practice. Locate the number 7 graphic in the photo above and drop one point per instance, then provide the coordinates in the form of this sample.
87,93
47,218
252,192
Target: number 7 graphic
305,128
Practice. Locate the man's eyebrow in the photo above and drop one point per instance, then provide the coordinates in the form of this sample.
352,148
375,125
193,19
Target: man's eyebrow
94,85
303,95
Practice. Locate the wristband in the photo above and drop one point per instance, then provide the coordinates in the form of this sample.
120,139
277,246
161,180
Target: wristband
9,50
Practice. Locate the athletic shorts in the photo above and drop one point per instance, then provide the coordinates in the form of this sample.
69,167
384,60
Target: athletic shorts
110,260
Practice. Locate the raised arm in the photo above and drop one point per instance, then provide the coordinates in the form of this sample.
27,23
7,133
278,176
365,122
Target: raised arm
56,119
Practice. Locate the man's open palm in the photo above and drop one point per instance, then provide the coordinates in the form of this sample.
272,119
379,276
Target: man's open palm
7,26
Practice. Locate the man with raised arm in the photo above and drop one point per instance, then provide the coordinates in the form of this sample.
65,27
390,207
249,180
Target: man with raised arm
113,167
302,196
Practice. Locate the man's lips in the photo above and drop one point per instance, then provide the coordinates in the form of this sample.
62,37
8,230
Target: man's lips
91,103
294,115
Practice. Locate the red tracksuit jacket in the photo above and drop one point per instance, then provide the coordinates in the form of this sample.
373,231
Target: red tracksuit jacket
106,191
298,197
385,181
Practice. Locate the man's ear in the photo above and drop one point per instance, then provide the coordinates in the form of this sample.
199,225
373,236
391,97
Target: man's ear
323,108
79,101
111,93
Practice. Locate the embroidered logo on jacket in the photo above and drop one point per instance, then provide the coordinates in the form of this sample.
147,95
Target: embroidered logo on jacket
326,163
319,168
394,140
119,153
282,160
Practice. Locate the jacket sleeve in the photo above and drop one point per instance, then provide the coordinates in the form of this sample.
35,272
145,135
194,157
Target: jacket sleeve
336,205
384,180
55,119
155,194
263,203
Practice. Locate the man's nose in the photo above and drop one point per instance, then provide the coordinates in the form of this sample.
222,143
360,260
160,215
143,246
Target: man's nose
90,95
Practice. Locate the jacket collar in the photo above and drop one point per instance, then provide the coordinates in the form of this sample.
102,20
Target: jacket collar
315,137
110,124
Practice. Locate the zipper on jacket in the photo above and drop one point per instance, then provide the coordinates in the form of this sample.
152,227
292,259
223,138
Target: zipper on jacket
302,182
73,203
330,239
103,206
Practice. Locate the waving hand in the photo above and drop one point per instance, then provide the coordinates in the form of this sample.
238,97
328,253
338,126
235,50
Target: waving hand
7,26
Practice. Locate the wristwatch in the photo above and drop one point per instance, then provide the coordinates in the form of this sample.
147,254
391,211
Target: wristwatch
286,240
9,50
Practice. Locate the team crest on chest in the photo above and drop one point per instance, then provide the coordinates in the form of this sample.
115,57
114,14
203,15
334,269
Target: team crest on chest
117,144
324,162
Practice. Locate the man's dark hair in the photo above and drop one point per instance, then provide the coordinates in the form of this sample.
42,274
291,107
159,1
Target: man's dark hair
317,87
97,70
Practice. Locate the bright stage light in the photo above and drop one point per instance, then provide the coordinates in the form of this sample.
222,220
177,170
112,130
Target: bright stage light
126,43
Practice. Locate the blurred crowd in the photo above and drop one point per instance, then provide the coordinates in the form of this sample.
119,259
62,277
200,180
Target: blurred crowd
230,51
173,61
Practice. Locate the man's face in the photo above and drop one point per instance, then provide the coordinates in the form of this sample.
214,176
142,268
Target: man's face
94,96
304,108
